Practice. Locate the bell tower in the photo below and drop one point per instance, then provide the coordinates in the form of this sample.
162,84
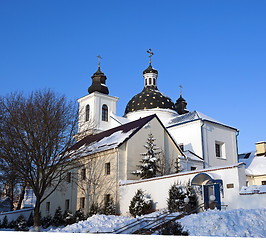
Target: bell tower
96,108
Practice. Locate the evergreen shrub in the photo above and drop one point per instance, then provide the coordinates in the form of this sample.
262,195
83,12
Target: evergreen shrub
140,204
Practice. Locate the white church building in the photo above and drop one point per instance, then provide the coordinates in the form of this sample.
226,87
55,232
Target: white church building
110,148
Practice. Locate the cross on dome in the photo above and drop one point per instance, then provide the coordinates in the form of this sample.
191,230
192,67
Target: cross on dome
180,86
150,54
99,64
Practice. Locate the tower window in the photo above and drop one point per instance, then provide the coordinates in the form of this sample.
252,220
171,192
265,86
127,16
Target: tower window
87,112
105,113
149,81
154,81
145,81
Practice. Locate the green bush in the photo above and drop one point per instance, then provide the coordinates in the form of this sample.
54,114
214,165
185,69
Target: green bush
140,204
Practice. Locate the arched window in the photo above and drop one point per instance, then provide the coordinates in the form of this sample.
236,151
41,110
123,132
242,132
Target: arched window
87,112
105,113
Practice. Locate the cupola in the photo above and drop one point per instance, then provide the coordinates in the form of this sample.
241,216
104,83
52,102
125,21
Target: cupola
98,81
181,104
150,97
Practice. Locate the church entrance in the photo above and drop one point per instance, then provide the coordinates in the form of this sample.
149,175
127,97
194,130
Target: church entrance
210,187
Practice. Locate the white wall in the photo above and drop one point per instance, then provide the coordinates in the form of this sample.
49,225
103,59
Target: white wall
158,187
189,135
213,133
96,101
13,215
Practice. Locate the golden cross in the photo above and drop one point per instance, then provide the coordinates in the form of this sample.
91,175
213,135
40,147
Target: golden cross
151,53
99,60
180,86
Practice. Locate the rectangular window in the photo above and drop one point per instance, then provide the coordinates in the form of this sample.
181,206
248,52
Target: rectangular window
82,202
83,174
220,149
68,177
107,168
263,182
67,204
48,206
193,168
230,185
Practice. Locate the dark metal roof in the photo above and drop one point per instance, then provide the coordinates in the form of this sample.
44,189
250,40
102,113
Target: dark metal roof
150,69
98,83
134,125
150,97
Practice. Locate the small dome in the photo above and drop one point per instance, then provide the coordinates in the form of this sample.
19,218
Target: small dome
150,69
149,98
98,83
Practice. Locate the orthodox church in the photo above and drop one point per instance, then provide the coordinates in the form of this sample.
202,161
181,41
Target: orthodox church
110,146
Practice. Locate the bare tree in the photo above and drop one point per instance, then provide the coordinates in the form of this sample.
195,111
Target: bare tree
35,132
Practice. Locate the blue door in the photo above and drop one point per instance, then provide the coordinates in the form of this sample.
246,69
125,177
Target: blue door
209,191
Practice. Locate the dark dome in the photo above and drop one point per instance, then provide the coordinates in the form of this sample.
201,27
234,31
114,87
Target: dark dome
150,69
148,98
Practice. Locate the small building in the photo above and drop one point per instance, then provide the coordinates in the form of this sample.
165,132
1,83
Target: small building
255,165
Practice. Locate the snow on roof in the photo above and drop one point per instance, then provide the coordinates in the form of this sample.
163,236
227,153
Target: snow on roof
192,156
120,120
253,189
109,139
255,165
193,116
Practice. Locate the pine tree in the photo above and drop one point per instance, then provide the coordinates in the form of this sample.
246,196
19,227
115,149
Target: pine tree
68,218
149,163
30,220
94,209
140,204
79,216
21,224
193,199
175,201
46,221
5,222
109,207
173,228
58,218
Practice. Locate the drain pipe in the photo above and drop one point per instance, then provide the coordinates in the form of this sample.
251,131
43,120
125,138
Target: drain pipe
116,185
202,142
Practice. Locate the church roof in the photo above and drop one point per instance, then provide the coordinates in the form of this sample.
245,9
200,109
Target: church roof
149,98
193,116
108,139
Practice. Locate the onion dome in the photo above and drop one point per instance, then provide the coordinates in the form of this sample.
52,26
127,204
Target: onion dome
98,83
181,104
150,97
150,69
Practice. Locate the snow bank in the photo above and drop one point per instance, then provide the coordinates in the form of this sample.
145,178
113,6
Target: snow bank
227,223
96,223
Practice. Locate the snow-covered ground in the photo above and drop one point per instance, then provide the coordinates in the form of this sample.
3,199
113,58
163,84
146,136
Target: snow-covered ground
226,223
229,223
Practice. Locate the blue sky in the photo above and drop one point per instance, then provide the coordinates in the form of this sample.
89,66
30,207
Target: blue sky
215,49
